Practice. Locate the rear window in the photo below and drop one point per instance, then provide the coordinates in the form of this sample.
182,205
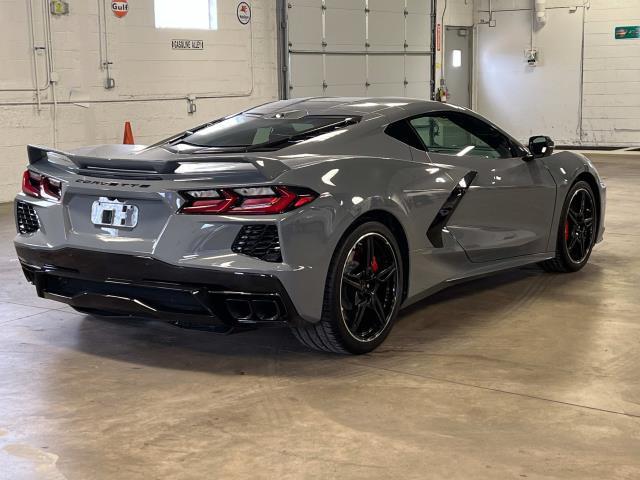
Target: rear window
247,130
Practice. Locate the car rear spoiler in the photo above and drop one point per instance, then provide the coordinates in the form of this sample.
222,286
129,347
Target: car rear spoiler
269,168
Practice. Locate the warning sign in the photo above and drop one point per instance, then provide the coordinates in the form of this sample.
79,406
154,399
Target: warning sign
187,44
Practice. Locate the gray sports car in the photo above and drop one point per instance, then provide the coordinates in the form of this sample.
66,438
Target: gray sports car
324,214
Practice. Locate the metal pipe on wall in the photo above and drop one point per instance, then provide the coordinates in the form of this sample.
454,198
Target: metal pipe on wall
283,42
491,22
581,104
434,27
540,11
52,69
34,50
444,11
105,64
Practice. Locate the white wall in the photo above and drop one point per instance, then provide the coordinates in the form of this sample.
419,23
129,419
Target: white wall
458,13
597,106
611,112
152,79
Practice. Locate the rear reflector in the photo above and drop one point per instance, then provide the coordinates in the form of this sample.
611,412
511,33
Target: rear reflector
246,200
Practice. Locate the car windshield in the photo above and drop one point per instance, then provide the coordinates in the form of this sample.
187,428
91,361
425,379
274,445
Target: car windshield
247,130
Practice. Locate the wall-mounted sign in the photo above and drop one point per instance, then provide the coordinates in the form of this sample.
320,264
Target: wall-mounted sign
244,13
187,44
438,37
59,7
626,33
120,8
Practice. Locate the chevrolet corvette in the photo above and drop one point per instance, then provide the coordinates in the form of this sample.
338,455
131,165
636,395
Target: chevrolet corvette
327,215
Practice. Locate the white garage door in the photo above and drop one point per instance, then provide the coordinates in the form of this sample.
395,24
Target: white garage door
359,48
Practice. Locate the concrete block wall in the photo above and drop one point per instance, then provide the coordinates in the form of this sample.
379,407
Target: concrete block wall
586,88
611,112
152,79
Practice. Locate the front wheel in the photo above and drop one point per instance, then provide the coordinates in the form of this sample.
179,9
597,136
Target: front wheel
577,231
362,295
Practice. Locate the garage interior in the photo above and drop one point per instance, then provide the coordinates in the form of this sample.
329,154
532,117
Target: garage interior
522,374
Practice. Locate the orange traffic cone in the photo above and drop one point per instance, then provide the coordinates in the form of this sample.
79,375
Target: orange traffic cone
128,134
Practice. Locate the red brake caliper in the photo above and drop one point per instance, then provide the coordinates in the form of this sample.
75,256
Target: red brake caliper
374,265
566,231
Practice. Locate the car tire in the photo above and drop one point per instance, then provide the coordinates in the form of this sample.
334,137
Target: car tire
363,293
576,232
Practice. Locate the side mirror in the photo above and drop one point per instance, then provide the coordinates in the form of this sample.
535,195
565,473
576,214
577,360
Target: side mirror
541,146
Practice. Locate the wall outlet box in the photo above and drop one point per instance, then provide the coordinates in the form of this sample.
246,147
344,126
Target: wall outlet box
532,55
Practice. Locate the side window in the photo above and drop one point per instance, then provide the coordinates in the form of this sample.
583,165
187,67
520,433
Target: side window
454,133
403,132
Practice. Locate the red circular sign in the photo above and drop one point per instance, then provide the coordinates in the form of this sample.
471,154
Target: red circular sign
120,8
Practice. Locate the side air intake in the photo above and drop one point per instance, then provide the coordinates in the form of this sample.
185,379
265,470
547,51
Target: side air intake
434,233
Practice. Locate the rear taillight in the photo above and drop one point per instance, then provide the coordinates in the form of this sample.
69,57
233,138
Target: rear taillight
40,186
246,200
31,184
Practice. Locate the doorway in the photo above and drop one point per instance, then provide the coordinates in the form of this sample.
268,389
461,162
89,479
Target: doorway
457,64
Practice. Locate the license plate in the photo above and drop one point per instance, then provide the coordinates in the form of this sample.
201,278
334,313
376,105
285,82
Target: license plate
112,213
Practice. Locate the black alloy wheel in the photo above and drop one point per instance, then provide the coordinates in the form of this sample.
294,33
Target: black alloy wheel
363,293
577,230
369,287
579,226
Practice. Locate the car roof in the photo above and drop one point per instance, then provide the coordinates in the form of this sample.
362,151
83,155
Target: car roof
376,110
361,106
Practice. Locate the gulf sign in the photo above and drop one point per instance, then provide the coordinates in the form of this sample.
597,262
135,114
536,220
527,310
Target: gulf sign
120,8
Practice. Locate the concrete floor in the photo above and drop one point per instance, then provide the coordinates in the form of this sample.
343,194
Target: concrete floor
523,375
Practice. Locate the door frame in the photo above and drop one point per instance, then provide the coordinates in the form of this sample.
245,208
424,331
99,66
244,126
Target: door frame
472,56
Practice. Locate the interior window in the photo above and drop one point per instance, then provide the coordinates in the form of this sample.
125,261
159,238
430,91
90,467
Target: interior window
262,135
246,130
455,133
187,14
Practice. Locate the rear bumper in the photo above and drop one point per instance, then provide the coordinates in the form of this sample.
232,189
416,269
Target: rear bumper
146,287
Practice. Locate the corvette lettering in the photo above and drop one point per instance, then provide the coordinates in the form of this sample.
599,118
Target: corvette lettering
112,184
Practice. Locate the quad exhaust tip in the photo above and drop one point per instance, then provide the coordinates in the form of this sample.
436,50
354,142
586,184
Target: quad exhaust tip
250,311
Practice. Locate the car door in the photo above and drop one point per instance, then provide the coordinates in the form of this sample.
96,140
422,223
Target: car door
508,206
